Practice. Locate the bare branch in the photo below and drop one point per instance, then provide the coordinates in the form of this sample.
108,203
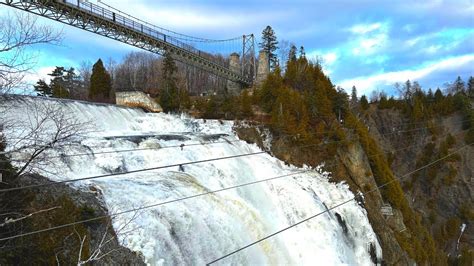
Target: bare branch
20,31
11,220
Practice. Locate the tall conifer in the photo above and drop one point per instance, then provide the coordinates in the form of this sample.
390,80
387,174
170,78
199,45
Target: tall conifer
100,89
269,44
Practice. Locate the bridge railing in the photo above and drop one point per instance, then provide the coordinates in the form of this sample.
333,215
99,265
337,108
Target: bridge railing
137,26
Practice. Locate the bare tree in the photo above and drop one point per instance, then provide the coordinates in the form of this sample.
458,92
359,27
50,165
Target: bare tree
283,52
42,126
106,246
85,72
20,31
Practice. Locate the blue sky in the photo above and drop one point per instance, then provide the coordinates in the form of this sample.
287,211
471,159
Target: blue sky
368,43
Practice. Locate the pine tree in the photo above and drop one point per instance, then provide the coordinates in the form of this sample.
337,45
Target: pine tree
430,95
62,83
43,89
246,104
169,96
364,104
57,83
100,89
59,91
292,54
470,87
458,86
438,96
354,99
302,52
407,90
72,80
269,44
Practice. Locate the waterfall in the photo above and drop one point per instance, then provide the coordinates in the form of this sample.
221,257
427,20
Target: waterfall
198,230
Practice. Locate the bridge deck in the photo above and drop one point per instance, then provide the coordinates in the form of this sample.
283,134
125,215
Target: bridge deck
105,22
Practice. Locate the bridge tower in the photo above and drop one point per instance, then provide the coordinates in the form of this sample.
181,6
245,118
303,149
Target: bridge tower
248,64
263,68
233,88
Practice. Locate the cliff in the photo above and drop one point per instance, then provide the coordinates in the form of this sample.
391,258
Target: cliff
443,194
434,221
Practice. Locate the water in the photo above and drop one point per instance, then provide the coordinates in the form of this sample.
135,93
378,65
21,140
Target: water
199,230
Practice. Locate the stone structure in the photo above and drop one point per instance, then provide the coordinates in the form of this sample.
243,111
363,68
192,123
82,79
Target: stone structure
263,68
138,99
233,88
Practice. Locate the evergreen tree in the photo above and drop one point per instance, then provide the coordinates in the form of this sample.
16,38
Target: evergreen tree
43,89
62,82
302,52
246,104
470,87
340,103
458,86
59,91
364,103
430,95
72,80
57,83
292,54
438,96
269,44
100,89
354,99
169,96
407,90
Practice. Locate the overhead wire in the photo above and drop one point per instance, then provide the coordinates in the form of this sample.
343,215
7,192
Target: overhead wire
334,207
211,143
147,169
212,192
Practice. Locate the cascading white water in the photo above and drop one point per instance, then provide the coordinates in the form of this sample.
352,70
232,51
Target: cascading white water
200,229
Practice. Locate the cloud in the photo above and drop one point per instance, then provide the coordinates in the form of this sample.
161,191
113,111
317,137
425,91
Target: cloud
330,58
368,83
358,42
365,28
200,17
369,38
40,73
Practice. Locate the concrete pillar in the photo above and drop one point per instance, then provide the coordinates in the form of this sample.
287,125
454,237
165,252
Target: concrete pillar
233,88
263,68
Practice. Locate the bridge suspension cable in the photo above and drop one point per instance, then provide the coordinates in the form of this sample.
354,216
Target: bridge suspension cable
175,34
110,23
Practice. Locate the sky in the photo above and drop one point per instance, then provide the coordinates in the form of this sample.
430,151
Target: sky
371,44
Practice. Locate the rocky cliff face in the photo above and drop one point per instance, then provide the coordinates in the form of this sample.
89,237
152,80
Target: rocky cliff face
350,164
61,205
443,195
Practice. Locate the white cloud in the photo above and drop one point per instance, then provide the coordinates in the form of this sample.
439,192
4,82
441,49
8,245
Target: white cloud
330,58
369,83
40,73
369,38
365,28
195,16
433,49
370,45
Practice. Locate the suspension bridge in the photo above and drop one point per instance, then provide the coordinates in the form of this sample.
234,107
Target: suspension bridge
240,69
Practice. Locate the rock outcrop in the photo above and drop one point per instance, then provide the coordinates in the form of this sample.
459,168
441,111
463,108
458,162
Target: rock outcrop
61,246
138,99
